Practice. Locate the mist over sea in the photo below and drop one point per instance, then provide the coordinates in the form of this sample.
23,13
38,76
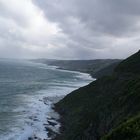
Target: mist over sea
23,85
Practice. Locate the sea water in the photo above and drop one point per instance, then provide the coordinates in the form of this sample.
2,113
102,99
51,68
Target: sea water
23,87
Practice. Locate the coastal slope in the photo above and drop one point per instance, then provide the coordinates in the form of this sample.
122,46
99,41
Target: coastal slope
106,109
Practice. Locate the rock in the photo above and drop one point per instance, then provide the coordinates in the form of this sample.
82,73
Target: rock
52,123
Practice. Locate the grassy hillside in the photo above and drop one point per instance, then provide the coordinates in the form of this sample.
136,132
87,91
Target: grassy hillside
106,71
130,65
106,109
129,130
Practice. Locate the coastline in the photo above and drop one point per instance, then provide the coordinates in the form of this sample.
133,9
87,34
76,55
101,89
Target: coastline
53,125
78,71
106,109
60,112
60,120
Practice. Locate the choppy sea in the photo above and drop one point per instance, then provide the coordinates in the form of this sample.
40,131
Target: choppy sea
24,86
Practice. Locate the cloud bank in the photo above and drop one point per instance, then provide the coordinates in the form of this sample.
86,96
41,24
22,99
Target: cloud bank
69,29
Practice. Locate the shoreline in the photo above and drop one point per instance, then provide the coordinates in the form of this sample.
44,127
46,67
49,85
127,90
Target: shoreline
54,124
59,68
60,112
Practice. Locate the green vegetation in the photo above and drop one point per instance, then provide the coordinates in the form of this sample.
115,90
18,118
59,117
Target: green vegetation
129,130
105,109
130,65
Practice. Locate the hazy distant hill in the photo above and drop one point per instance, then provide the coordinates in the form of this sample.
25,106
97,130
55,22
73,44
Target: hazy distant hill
106,109
87,66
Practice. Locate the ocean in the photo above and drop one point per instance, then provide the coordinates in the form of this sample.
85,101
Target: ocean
24,86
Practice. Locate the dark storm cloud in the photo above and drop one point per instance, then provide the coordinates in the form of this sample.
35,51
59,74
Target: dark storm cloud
96,24
105,16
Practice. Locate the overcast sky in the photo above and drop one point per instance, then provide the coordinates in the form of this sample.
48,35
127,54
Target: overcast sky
69,29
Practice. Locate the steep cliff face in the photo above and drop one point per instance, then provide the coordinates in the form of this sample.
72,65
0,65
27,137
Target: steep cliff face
105,108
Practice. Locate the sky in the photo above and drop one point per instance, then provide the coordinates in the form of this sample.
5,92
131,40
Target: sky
69,29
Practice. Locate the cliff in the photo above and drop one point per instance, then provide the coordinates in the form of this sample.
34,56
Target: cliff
106,109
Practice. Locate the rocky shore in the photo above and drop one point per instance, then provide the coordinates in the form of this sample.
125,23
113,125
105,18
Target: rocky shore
52,124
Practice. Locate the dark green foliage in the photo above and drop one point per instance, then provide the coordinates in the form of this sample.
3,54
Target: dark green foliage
130,65
104,107
106,71
129,130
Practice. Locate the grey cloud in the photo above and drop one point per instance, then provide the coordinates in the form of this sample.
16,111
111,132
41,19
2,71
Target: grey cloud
88,29
105,16
94,24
